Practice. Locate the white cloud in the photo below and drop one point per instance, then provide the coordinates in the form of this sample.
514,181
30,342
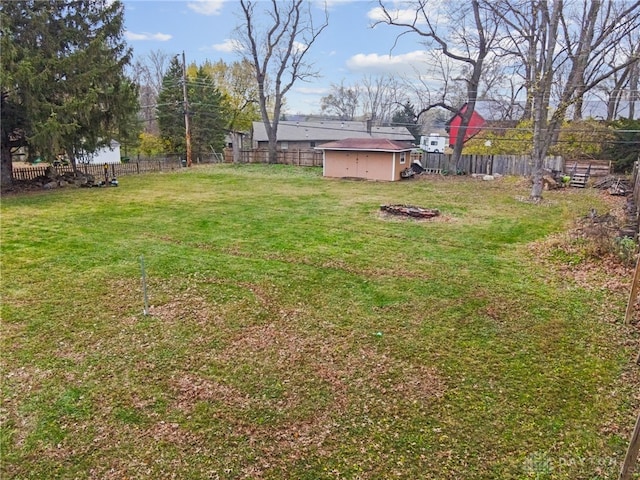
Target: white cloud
298,47
333,3
411,14
159,37
381,64
398,15
206,7
312,90
228,46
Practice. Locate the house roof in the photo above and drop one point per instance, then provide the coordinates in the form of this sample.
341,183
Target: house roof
327,131
493,110
366,144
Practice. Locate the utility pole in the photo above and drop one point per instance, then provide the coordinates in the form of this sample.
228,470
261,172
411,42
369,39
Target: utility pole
187,125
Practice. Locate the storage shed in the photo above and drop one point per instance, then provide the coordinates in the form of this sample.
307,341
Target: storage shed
367,158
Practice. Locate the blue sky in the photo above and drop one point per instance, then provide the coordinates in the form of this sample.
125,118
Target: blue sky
347,50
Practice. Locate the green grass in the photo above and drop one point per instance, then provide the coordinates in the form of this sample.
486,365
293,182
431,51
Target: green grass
296,333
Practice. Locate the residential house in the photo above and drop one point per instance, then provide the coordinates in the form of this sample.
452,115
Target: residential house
107,154
308,135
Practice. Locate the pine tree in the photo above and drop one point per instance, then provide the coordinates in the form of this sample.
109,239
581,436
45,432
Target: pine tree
206,111
208,120
170,109
64,72
406,117
625,146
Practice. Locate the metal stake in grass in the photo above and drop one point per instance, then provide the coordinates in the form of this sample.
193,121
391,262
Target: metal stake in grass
144,287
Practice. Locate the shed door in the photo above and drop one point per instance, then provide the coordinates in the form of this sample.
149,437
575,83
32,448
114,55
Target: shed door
361,165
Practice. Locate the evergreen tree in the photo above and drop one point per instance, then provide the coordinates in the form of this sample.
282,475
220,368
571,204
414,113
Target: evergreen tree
170,109
206,111
208,114
625,147
407,117
63,75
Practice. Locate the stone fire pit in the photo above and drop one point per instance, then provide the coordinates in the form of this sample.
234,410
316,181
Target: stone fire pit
410,211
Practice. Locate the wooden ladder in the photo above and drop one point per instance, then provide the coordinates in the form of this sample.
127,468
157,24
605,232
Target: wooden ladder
579,180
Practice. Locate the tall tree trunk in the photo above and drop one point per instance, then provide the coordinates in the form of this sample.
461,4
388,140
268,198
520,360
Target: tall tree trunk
458,145
541,96
273,149
473,84
236,143
634,95
614,97
539,148
6,169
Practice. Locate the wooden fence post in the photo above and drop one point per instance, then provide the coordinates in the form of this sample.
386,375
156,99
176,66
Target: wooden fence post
633,295
632,453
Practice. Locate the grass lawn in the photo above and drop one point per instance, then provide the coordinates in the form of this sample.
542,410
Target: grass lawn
296,333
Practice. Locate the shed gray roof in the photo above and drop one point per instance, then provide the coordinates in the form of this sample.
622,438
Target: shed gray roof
328,131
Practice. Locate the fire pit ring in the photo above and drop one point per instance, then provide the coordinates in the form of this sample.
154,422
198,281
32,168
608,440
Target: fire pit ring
410,211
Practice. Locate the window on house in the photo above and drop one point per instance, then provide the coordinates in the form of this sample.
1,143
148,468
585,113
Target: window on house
403,157
312,144
284,145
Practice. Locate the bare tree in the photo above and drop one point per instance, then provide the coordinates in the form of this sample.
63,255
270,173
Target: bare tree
381,96
276,40
341,101
565,47
435,89
621,89
443,87
148,72
378,97
466,38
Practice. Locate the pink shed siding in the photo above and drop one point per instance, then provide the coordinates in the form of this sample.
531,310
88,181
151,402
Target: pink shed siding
364,164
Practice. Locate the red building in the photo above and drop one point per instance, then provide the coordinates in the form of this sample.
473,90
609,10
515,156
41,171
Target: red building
475,124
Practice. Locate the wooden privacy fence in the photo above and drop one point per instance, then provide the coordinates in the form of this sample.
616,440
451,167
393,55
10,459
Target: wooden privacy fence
299,157
519,165
433,162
